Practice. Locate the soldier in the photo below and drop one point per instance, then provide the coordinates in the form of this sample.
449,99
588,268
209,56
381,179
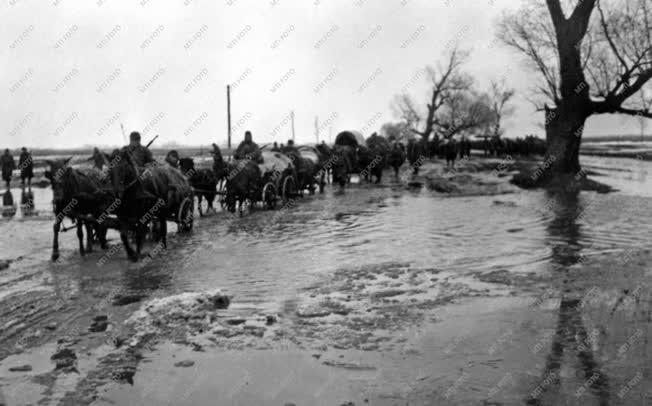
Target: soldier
98,158
8,165
248,149
290,148
275,147
415,154
140,154
451,151
172,158
26,165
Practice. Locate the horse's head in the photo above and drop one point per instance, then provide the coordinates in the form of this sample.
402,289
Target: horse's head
122,171
220,168
187,166
57,173
341,164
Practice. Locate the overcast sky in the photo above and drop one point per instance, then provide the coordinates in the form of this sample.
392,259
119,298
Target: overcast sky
75,70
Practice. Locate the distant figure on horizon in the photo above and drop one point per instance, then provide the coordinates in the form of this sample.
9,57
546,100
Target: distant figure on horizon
8,165
26,165
248,149
98,158
275,147
290,148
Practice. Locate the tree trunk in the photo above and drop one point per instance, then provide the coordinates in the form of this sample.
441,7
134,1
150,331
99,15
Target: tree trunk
564,129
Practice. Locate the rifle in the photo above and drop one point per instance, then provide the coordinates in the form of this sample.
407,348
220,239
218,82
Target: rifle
150,143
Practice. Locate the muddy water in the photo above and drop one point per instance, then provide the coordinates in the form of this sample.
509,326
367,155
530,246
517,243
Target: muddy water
267,260
265,257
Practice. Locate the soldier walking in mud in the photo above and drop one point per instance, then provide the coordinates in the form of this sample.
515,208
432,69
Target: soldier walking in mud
8,165
141,155
248,149
26,165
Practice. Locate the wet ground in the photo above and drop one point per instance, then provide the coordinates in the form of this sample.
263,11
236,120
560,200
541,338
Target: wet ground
387,295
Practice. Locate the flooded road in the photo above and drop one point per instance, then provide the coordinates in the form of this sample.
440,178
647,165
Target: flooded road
406,295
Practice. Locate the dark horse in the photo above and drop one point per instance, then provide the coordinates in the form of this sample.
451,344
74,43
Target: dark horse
377,156
371,162
82,197
326,160
203,181
243,182
318,166
343,164
151,194
220,168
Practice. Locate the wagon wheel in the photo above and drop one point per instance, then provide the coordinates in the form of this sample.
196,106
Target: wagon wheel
221,191
185,215
269,195
289,188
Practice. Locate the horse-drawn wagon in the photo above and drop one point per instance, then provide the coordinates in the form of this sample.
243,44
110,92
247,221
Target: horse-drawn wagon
267,178
279,176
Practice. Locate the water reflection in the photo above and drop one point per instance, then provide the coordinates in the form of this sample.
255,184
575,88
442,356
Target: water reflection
27,201
8,205
571,336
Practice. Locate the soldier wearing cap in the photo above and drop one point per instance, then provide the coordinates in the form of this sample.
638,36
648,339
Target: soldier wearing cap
140,154
248,149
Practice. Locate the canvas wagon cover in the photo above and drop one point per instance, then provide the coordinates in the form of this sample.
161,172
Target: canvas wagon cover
309,152
350,138
274,161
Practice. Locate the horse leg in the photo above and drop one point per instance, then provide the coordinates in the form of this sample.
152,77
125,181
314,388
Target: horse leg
55,241
199,195
125,241
140,237
89,236
101,235
163,225
210,199
80,236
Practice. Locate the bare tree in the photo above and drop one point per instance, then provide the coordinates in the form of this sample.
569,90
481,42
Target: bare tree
591,62
395,131
445,81
464,111
500,94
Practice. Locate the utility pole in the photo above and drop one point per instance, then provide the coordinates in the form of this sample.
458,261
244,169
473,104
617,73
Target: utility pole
228,114
292,116
317,128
